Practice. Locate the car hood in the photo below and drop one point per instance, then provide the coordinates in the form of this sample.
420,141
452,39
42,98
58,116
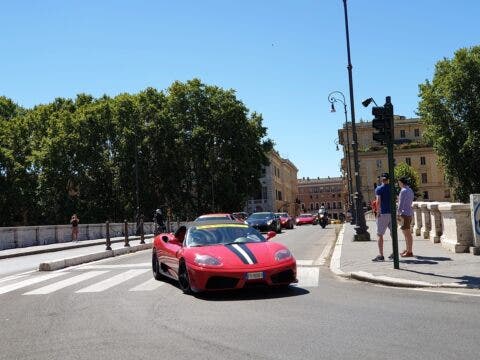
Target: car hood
239,256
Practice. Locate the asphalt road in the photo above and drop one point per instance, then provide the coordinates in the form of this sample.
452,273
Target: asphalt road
112,309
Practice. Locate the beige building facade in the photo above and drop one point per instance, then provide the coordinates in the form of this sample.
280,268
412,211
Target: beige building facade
328,192
409,148
278,191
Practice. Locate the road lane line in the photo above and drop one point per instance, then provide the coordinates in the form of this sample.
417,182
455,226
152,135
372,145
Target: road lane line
149,285
28,282
118,266
308,276
304,262
113,281
64,283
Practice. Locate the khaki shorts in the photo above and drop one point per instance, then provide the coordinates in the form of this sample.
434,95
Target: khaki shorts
383,222
406,222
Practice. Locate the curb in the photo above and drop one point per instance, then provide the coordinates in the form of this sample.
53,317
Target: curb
68,247
335,267
77,260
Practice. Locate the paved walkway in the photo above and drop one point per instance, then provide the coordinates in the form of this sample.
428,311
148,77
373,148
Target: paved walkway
432,265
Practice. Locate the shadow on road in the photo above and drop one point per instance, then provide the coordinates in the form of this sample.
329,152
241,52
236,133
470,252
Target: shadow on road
258,293
470,281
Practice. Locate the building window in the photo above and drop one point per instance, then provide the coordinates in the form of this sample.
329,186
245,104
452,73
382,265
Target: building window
264,192
328,205
402,134
379,164
408,161
334,205
424,178
303,206
447,194
339,205
311,206
417,132
316,206
425,195
423,161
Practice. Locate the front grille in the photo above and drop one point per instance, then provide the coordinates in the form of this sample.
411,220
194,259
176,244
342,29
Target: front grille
283,277
221,282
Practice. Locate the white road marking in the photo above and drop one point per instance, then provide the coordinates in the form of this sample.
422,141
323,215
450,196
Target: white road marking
304,262
308,276
118,266
111,282
149,285
64,283
28,282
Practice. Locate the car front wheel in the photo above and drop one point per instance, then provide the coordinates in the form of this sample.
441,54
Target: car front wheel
156,267
183,278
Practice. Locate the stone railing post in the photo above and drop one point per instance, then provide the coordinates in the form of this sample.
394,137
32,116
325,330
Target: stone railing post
125,227
457,227
425,231
435,222
108,242
417,215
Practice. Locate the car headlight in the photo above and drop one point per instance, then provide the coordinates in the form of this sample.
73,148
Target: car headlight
283,254
207,260
269,222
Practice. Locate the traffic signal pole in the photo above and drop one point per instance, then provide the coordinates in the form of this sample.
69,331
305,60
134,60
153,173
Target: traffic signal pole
383,122
391,170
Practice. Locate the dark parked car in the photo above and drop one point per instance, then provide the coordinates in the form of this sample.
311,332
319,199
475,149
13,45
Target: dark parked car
264,221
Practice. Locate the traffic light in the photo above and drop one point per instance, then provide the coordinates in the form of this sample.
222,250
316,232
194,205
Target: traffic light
380,123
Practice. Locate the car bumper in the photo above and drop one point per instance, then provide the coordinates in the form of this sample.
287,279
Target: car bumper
263,227
210,279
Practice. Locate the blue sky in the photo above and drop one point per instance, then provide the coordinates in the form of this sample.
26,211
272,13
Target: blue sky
282,57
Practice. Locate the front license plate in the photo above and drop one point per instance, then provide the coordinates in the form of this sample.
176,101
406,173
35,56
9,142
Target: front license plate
255,275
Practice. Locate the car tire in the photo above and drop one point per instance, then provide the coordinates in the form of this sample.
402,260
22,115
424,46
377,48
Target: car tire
183,278
278,230
156,267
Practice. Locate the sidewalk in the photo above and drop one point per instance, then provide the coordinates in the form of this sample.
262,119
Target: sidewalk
39,249
431,266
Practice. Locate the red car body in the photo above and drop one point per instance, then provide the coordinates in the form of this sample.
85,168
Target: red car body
231,265
303,219
286,221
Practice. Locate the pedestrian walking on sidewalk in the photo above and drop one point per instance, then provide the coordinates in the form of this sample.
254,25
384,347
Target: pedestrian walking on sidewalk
405,214
74,220
382,194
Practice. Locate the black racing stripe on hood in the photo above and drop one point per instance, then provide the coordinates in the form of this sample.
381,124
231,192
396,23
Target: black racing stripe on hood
238,253
249,252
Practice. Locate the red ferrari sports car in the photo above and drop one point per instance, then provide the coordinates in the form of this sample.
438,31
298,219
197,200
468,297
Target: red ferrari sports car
285,220
303,219
220,255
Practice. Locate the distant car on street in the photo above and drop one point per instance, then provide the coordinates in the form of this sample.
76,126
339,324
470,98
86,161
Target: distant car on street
285,220
265,221
303,219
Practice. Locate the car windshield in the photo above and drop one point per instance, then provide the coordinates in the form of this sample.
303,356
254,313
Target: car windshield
260,216
212,218
205,235
282,214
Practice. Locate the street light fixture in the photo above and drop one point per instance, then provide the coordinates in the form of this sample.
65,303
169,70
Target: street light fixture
333,99
361,227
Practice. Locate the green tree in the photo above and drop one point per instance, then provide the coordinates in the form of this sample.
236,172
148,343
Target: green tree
450,109
405,170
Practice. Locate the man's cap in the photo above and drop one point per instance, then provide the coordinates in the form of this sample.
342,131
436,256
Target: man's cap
385,176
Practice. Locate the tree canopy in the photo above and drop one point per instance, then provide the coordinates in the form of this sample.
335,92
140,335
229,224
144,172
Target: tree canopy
196,148
450,109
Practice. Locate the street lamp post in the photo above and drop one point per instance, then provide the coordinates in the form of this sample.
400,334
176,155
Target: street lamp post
332,99
361,227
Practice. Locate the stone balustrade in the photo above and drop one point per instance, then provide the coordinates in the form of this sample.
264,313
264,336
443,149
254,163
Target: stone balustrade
447,223
23,236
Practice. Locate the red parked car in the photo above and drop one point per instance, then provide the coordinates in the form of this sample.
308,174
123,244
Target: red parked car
303,219
220,255
285,220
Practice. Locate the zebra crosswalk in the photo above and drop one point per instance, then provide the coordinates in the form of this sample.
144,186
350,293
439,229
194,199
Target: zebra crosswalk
98,278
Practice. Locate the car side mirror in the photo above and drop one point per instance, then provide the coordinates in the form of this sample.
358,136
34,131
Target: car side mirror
271,234
165,238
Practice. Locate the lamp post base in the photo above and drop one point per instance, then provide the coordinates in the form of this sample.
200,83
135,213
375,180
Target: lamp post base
361,234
